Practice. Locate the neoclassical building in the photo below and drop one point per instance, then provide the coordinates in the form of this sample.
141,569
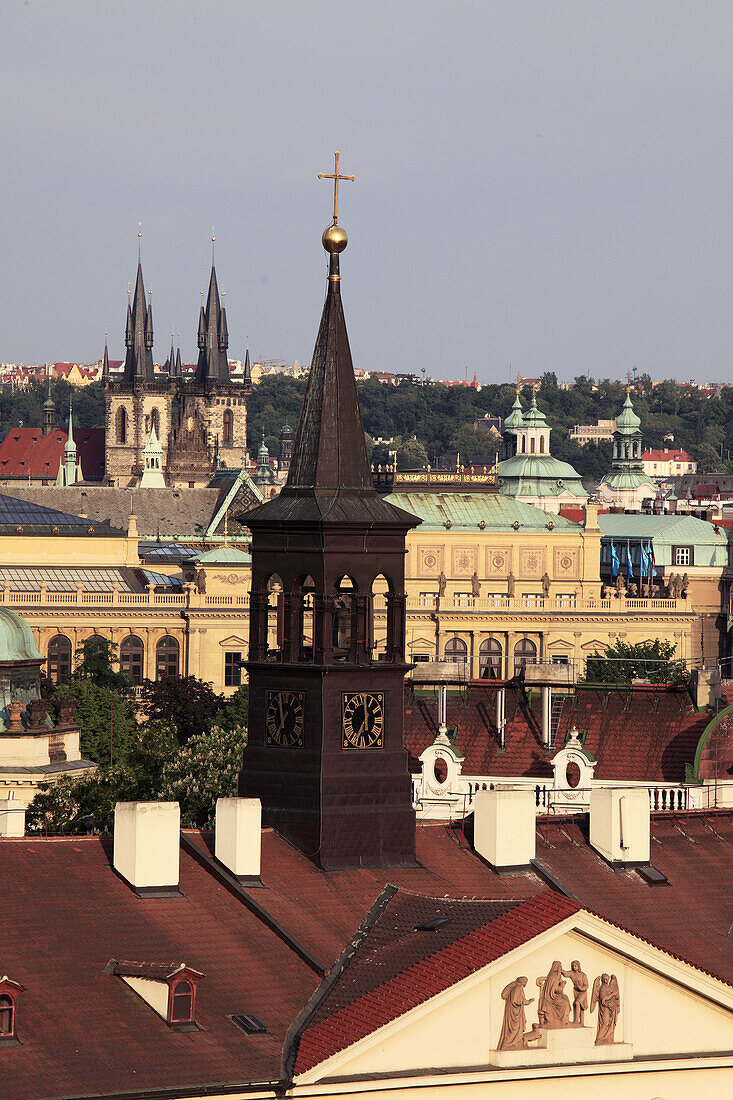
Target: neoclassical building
200,423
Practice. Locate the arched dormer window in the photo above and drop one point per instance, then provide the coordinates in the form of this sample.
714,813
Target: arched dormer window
9,991
181,1002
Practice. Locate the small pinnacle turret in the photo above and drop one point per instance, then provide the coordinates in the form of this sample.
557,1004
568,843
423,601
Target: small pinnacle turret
213,338
139,335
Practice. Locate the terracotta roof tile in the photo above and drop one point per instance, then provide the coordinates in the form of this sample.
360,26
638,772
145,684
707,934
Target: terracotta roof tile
642,734
395,969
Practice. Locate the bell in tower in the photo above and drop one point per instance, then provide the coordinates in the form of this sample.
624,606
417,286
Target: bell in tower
325,751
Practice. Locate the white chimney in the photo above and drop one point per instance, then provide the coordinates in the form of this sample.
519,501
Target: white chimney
12,817
147,846
619,824
238,836
504,823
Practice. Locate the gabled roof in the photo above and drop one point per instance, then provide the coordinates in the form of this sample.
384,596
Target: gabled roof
390,967
661,454
27,452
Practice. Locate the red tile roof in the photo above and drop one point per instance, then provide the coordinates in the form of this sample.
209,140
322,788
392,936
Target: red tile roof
395,968
27,452
66,915
690,917
322,910
666,455
641,734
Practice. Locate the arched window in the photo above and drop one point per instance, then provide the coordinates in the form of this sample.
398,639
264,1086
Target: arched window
531,445
155,421
345,590
525,653
181,1010
122,425
59,658
166,658
131,658
455,650
227,426
7,1015
275,617
381,619
490,659
542,444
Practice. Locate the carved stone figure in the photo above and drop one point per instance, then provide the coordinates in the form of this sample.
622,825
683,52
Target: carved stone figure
511,585
633,590
553,1008
580,991
619,582
685,585
513,1028
607,998
201,581
545,585
475,585
442,581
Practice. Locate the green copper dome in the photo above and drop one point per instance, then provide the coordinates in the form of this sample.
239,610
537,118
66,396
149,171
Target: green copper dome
16,638
534,418
516,416
627,422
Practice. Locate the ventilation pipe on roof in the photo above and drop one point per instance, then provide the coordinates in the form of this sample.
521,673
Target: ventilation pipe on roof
238,834
146,847
619,825
504,823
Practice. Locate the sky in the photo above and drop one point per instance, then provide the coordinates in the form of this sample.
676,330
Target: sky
540,186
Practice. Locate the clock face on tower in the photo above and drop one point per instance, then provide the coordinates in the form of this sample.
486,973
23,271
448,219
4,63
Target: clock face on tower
362,724
284,721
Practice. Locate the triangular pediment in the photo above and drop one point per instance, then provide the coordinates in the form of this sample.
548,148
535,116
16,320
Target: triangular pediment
654,1007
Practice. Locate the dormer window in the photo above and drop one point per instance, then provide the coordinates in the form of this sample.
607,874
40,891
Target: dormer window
9,991
169,990
181,1002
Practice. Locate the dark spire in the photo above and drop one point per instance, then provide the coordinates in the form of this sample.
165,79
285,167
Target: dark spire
247,380
170,363
213,338
179,368
139,335
49,409
330,449
105,362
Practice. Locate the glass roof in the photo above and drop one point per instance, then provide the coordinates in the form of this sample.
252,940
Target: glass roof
29,579
24,513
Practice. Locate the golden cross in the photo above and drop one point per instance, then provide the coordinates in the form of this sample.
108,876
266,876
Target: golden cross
335,177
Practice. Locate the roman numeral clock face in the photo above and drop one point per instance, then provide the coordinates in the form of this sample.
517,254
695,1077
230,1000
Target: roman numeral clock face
362,720
284,722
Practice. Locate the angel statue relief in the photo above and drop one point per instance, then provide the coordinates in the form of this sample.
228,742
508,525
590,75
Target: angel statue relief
606,996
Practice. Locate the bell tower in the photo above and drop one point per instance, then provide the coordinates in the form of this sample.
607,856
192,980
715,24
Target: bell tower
325,751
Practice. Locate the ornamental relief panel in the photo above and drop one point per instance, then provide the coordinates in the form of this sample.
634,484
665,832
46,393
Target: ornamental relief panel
430,561
566,564
531,562
498,561
464,561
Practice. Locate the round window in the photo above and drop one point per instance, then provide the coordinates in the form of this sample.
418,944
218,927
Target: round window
440,770
572,774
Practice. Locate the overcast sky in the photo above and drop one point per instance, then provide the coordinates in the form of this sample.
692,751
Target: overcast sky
540,186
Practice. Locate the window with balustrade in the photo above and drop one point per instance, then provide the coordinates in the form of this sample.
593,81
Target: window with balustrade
132,658
59,658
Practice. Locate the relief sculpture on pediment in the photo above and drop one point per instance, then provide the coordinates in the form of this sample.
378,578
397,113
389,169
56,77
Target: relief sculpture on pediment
513,1029
607,999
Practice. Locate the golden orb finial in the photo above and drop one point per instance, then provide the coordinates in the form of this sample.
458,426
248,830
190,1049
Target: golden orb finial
334,239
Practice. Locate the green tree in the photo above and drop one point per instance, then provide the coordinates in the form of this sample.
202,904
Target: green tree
411,455
190,705
106,719
234,713
205,769
94,662
622,664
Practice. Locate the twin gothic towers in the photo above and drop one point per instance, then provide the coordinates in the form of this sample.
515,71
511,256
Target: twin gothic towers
200,421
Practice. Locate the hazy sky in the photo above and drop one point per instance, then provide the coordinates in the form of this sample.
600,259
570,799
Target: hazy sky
540,186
